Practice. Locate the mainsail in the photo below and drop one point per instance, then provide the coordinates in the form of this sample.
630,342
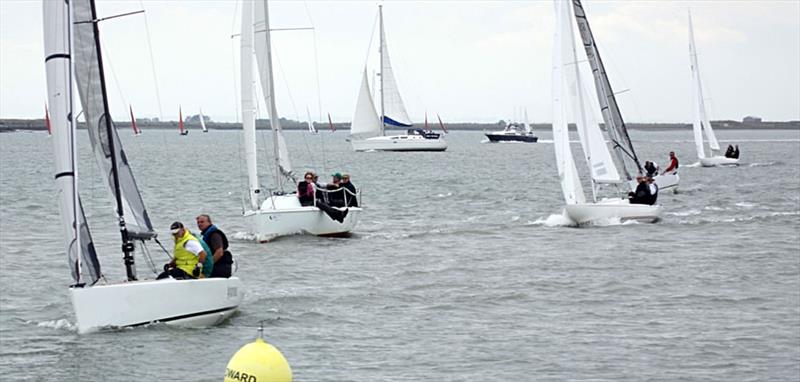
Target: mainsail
700,121
263,48
563,48
203,122
90,87
394,112
612,116
365,123
81,253
248,103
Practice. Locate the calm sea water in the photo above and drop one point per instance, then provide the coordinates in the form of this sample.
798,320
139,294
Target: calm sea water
458,271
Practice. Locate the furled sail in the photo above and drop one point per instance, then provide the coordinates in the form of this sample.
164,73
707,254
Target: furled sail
563,46
263,48
87,73
612,116
394,112
701,120
366,123
81,253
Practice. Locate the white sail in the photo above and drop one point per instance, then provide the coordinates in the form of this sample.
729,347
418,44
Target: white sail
563,47
394,112
612,116
311,128
81,253
203,121
700,114
90,86
366,122
526,124
263,48
248,104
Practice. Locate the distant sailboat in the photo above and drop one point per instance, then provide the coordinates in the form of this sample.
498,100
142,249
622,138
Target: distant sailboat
180,122
568,90
47,121
203,121
97,302
367,131
330,123
700,120
136,131
311,128
514,132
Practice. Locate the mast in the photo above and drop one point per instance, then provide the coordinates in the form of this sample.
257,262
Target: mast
380,52
248,106
127,243
612,116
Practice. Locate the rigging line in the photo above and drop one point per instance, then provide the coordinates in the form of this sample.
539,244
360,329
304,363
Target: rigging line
371,36
319,86
152,62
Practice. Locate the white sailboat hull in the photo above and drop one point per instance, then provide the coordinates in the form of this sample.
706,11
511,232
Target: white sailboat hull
283,215
197,303
605,209
718,161
399,143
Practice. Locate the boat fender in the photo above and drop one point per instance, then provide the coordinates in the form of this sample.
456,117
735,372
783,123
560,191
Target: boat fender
258,361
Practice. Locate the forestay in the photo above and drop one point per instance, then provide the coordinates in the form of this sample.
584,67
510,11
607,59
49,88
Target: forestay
91,93
263,49
612,116
366,123
563,47
394,112
80,247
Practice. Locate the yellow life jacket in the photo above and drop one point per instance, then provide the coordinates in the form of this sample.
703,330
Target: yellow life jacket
185,260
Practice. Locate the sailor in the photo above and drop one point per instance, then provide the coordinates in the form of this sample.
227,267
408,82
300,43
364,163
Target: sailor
188,255
673,163
350,195
735,154
305,189
651,168
336,194
729,152
218,242
653,191
642,193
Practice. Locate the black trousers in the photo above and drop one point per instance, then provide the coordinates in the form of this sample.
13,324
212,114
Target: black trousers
176,273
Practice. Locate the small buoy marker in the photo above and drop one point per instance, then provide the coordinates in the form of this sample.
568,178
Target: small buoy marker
258,361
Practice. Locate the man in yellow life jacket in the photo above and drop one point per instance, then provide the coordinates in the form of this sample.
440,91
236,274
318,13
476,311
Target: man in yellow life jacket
189,256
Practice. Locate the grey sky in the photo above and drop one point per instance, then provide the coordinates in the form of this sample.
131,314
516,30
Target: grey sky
467,61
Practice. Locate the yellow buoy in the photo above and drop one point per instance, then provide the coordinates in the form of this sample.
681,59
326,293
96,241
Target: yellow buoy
258,361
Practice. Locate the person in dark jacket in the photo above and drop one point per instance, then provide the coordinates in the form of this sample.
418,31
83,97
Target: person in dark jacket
305,190
651,184
651,168
335,191
735,154
642,194
729,152
218,242
350,197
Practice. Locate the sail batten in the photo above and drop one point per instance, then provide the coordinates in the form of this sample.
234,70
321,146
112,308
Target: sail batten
81,254
87,70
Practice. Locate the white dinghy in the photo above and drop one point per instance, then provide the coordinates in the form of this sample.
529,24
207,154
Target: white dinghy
279,214
568,89
612,117
72,47
367,131
700,120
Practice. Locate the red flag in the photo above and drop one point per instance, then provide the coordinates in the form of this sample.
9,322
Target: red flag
180,121
330,123
133,122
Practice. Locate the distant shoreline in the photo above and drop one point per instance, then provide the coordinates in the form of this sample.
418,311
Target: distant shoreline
7,125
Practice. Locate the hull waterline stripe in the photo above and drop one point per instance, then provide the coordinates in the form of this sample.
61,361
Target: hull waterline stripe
175,318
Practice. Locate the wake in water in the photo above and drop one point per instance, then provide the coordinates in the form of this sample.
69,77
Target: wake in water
765,164
62,324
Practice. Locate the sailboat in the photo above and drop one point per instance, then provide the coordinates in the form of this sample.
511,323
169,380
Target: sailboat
203,122
700,121
47,121
367,131
569,90
310,123
136,131
514,132
72,48
180,122
279,213
612,117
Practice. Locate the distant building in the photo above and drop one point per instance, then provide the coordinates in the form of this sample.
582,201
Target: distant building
751,119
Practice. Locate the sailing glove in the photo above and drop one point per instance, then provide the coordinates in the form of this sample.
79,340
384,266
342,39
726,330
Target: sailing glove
197,268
